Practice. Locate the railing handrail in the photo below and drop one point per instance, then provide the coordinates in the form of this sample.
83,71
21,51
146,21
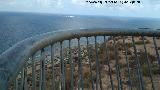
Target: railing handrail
15,57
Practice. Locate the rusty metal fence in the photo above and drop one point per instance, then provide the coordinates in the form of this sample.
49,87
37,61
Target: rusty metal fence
86,59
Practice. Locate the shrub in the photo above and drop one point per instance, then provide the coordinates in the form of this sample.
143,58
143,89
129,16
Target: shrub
157,37
135,82
129,52
102,48
155,69
140,42
158,48
147,42
120,48
110,47
129,45
142,58
145,70
111,55
140,38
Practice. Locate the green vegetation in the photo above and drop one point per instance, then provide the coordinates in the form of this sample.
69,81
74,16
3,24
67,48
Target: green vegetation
104,59
140,42
143,63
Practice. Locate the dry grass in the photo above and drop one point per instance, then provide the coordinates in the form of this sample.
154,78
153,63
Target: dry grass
104,58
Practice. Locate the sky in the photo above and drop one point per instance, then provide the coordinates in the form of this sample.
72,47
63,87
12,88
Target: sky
146,8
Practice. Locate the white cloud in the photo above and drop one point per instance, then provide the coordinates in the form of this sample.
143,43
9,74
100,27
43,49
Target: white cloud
49,3
157,7
31,4
81,6
79,2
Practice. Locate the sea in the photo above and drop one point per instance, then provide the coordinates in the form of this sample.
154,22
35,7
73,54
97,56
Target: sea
17,26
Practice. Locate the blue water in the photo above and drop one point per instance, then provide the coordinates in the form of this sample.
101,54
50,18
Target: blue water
15,27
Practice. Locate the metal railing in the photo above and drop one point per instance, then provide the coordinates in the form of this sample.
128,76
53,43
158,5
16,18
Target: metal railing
87,59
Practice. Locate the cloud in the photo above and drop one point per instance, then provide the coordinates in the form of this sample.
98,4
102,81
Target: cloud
31,4
82,7
157,7
49,3
78,2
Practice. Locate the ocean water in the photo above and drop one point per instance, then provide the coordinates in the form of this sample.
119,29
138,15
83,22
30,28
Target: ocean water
15,27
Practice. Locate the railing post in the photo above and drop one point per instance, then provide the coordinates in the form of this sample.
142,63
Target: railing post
80,79
63,85
90,66
20,53
127,61
71,66
139,72
42,73
98,74
109,67
120,85
53,71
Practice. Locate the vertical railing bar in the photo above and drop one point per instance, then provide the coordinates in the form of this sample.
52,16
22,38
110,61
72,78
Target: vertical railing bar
109,67
89,57
101,87
90,66
79,73
120,87
33,74
148,63
62,68
17,86
157,54
138,65
88,81
61,80
98,75
80,66
71,65
25,78
22,79
42,73
128,67
53,72
15,83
